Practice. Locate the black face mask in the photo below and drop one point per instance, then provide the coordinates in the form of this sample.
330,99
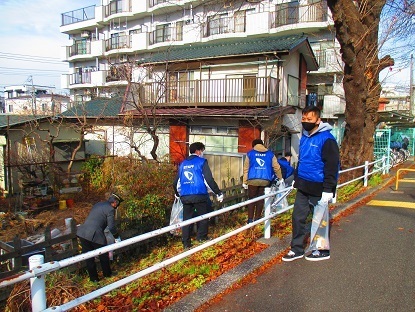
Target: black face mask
308,126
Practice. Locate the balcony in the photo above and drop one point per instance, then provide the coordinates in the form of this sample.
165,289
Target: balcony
225,25
79,15
118,7
155,2
79,78
80,47
118,42
329,60
242,92
289,13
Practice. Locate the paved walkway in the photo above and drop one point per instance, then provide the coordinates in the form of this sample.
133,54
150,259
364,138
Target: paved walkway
372,265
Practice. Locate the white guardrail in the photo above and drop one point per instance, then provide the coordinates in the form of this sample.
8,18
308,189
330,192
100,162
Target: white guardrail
38,269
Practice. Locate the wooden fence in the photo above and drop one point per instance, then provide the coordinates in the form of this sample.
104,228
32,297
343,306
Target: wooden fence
14,257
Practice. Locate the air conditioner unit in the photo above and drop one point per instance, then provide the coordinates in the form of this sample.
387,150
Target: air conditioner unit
85,34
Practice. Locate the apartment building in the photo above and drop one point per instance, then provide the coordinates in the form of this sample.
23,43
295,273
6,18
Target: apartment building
221,72
33,100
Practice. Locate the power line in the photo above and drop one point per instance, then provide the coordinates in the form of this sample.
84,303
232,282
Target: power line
31,56
32,69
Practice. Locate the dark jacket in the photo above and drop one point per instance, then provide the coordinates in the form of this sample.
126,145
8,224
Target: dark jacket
328,159
208,179
101,215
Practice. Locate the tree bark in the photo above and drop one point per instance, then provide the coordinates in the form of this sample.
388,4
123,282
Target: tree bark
357,25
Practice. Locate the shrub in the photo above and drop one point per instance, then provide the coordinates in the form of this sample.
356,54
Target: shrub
146,188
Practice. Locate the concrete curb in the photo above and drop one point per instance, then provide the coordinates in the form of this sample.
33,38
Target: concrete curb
209,291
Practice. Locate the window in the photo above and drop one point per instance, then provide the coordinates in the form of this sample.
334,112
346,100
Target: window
217,24
293,97
163,33
64,150
240,21
10,108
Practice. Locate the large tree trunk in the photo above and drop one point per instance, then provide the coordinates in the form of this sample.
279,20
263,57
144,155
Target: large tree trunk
357,24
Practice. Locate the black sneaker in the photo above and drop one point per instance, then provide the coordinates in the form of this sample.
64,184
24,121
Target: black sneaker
318,255
291,256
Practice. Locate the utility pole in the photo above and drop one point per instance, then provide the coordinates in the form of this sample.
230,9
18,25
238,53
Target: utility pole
33,93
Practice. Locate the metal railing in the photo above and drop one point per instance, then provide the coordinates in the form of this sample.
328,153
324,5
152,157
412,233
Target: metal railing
272,199
79,15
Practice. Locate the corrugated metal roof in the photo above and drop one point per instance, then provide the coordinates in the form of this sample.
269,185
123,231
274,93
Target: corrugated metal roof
11,120
228,48
228,113
101,107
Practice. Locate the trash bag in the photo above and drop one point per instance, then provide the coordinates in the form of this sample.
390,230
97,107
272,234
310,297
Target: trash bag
176,215
283,203
319,234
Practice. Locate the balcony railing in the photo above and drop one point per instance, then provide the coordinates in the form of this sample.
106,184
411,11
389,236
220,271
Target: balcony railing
245,91
80,47
155,2
118,6
79,15
224,25
119,42
287,13
80,78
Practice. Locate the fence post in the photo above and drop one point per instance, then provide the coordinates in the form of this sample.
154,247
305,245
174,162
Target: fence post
267,212
17,245
365,178
37,285
384,164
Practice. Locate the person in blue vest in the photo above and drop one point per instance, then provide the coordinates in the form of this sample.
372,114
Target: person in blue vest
192,183
315,179
260,168
286,169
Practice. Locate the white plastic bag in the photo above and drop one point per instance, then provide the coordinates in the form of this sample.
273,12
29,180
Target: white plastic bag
278,202
319,235
176,215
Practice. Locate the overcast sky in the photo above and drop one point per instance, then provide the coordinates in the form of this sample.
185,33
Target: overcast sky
31,43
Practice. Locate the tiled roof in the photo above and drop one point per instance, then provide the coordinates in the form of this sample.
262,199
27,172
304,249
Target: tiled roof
101,107
228,48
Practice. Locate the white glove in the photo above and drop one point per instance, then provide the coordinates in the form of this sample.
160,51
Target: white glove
245,186
326,197
118,239
219,198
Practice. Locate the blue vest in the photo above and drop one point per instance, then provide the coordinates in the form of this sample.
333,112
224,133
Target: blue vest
310,164
286,168
192,181
260,165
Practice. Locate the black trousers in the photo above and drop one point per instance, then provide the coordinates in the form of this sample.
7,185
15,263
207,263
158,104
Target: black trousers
90,263
303,206
191,210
